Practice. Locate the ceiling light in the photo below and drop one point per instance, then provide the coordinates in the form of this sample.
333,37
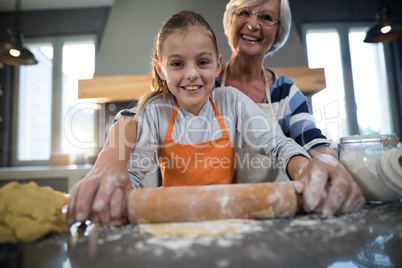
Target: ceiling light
386,30
12,52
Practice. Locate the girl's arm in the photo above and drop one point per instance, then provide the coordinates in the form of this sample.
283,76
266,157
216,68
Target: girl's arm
100,194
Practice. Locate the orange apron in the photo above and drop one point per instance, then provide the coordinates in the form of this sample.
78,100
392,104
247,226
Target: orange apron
210,162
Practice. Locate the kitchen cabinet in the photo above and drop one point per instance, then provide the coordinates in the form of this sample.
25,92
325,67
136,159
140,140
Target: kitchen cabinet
111,88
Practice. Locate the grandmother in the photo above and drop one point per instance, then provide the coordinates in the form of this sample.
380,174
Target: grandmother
256,29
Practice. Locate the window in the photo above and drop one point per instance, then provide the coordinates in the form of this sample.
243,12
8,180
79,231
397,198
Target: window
35,106
329,104
48,118
356,99
369,84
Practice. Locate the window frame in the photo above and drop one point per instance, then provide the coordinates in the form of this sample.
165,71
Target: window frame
343,29
57,94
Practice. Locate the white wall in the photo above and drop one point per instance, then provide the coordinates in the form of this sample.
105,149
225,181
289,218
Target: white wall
132,25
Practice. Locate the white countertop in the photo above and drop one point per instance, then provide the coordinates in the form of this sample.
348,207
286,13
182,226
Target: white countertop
61,178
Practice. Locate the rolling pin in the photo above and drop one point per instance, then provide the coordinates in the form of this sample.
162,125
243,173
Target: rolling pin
212,202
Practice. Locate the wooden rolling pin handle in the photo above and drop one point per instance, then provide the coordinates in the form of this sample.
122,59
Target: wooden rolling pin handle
124,214
212,202
299,198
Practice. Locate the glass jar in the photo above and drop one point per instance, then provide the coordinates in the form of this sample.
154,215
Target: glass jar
361,155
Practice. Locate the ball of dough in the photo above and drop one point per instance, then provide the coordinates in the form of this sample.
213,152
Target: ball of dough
29,212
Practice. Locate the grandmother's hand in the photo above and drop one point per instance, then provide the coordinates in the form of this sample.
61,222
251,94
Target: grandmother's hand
328,187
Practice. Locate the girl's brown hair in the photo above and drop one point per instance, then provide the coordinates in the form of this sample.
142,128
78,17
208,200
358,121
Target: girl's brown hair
182,21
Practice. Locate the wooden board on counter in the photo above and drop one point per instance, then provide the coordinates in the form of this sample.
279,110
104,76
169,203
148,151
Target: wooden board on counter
130,87
115,87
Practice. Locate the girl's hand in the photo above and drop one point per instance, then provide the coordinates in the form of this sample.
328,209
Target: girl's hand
100,195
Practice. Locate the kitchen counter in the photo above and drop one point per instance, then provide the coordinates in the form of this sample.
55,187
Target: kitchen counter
60,178
371,237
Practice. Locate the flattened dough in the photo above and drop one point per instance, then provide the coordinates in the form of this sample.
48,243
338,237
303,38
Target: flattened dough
201,228
29,212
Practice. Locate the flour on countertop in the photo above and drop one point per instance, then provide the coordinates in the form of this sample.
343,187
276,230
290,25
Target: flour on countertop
313,228
184,243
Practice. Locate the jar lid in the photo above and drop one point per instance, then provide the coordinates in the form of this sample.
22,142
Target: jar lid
389,169
391,138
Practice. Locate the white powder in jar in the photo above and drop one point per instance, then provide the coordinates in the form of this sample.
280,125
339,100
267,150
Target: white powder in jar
361,164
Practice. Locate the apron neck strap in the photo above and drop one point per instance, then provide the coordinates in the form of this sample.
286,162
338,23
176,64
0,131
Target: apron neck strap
219,117
174,113
172,119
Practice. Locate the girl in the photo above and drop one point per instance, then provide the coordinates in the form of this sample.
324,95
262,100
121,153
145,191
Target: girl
193,126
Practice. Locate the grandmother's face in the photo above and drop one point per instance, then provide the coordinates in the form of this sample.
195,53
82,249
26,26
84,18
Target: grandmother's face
249,37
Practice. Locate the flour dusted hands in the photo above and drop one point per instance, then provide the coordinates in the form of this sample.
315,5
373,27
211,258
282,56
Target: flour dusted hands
100,195
328,187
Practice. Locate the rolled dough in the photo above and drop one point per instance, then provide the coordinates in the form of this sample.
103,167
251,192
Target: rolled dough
201,228
29,212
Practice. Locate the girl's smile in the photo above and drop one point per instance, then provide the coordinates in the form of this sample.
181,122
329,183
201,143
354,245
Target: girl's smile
189,63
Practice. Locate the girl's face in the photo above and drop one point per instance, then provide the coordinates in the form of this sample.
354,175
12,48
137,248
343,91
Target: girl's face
251,39
189,64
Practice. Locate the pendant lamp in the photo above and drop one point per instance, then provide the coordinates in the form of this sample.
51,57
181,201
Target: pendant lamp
12,52
386,29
